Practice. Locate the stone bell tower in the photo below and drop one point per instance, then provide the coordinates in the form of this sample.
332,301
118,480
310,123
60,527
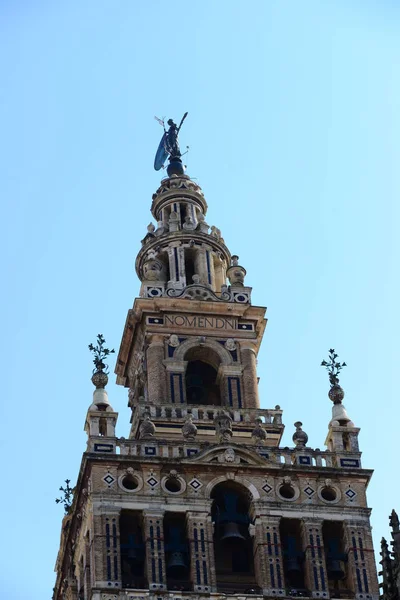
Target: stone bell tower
200,500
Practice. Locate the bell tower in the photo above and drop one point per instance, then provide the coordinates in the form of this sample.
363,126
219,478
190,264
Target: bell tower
201,500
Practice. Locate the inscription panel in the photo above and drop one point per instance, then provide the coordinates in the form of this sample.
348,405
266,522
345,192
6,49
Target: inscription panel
184,321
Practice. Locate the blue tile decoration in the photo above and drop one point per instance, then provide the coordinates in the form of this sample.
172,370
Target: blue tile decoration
103,448
149,451
191,451
155,320
349,462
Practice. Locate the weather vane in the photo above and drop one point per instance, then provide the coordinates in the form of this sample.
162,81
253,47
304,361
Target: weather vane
100,353
169,146
333,367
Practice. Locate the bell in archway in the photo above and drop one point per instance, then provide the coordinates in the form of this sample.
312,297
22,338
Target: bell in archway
293,565
133,554
335,569
231,531
176,565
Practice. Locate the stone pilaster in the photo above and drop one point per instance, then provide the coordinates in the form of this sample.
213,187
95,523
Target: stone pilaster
202,564
87,567
106,550
175,372
156,375
268,562
250,385
316,578
361,563
153,527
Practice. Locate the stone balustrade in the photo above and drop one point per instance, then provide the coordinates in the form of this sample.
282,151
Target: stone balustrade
287,456
206,413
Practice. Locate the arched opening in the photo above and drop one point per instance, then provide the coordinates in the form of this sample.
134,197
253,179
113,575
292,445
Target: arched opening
336,559
102,426
201,377
177,559
233,545
132,550
293,555
190,268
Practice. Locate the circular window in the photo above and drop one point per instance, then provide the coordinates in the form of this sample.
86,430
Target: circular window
287,491
173,485
130,482
329,494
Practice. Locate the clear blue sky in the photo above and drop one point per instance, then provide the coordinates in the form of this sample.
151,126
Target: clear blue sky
294,132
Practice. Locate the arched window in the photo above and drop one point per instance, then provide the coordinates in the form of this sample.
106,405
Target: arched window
132,550
293,555
336,559
190,268
201,377
233,546
177,558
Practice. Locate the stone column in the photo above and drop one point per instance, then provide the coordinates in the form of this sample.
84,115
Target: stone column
200,265
250,384
316,577
106,550
153,527
87,567
268,564
202,564
361,564
156,375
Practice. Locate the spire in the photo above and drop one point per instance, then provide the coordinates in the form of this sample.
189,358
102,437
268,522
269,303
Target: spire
182,256
101,418
388,585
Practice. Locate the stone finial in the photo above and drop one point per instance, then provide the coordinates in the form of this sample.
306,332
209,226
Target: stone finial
100,353
300,437
235,272
150,228
333,366
394,521
189,429
223,426
147,428
259,434
202,225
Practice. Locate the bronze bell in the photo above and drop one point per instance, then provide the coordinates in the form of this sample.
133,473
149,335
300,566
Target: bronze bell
293,565
132,554
176,564
335,569
231,531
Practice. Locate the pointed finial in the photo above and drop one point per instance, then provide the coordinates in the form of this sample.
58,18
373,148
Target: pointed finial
100,371
333,366
394,521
